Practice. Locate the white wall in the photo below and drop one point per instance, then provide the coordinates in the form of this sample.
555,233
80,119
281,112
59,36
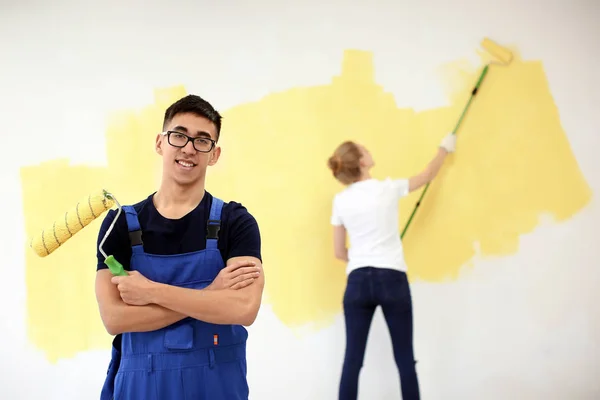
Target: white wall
524,326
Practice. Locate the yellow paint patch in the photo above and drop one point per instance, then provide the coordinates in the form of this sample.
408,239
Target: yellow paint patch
513,163
63,316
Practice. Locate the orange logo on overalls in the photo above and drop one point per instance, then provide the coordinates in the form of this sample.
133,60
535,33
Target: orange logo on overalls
215,339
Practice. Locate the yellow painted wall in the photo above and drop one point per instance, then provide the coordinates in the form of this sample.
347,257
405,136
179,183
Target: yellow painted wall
512,160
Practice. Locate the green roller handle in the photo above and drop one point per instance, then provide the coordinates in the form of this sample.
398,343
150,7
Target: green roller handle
473,93
114,266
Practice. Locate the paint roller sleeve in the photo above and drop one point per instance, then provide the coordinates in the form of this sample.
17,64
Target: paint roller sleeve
70,222
500,53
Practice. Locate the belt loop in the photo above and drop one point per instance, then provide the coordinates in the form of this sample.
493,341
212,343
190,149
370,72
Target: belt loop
211,357
150,364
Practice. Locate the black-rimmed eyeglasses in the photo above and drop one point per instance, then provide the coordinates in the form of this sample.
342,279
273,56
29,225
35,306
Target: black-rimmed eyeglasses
178,139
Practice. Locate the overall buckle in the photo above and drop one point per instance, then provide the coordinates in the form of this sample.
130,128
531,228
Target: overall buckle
213,226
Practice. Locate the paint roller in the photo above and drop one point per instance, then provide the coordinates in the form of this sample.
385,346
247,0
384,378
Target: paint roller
502,56
68,224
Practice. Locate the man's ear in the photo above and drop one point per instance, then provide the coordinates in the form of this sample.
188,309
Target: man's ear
214,156
158,144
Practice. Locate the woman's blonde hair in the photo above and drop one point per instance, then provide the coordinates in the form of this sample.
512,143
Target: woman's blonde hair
345,163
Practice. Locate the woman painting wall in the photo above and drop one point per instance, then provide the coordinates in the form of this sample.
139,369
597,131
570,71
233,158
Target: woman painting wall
367,211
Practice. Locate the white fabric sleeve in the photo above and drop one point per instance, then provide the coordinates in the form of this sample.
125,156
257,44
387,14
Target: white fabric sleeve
399,187
336,219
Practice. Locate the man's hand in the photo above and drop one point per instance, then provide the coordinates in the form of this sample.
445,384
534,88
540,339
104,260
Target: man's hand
134,288
224,307
236,275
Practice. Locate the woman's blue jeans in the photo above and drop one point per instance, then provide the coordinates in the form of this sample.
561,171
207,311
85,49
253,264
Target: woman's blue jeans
366,289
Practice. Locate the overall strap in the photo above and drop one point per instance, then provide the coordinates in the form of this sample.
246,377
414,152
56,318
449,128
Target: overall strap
213,225
133,226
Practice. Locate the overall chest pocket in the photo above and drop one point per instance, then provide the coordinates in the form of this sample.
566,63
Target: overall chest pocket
191,271
180,336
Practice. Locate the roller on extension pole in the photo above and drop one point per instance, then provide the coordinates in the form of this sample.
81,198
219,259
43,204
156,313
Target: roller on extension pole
503,57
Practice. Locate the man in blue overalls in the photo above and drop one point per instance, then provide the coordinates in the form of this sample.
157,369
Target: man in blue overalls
195,276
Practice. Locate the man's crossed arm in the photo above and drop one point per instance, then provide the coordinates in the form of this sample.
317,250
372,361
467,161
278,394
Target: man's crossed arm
134,303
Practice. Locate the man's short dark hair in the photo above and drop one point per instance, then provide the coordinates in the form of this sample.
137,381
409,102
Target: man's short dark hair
195,105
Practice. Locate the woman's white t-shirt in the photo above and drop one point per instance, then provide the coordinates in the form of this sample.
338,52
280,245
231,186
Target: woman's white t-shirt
369,211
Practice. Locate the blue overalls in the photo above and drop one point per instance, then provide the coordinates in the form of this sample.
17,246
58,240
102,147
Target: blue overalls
190,359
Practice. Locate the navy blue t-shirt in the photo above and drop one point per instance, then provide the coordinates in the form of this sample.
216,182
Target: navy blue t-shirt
239,234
